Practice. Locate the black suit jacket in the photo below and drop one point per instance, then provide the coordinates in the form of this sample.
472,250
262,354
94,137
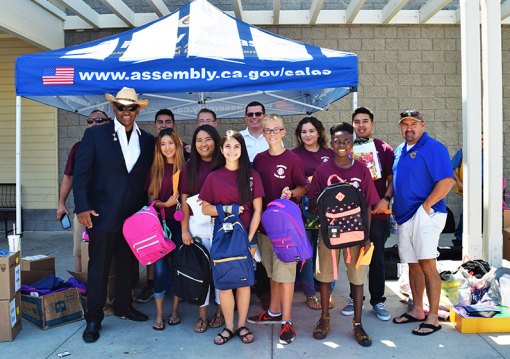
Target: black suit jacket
101,181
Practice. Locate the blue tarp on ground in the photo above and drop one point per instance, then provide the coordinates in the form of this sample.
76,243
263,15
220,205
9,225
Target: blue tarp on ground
195,57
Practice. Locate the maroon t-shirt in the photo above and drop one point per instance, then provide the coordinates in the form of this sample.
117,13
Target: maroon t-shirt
71,159
166,190
278,172
311,160
204,168
220,187
357,175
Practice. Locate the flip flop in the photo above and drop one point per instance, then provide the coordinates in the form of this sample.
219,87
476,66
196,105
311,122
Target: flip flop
201,325
410,319
174,319
426,326
158,325
313,302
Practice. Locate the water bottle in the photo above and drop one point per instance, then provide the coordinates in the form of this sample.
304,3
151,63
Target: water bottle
393,225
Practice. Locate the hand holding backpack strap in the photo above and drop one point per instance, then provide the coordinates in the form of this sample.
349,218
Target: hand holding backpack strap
166,230
235,209
221,214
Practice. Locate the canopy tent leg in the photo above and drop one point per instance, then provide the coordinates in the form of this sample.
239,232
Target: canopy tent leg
354,99
18,165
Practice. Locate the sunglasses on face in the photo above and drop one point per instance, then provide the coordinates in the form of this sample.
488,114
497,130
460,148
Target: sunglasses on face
129,108
254,114
97,120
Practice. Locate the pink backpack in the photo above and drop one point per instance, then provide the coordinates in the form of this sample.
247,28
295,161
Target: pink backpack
147,238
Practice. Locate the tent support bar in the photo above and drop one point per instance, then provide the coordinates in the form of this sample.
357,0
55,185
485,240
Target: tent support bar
354,100
298,102
18,165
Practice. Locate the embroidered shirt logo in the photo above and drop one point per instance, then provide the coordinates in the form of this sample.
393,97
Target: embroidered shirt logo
280,171
324,159
413,155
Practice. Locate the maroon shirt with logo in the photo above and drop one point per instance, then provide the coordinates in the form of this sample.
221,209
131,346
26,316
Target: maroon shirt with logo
220,187
311,160
357,175
278,172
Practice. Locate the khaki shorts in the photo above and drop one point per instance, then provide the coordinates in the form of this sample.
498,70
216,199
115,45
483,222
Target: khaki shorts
324,267
418,238
77,228
276,269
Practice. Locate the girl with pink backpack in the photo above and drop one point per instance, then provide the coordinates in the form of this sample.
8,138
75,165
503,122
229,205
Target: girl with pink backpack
166,165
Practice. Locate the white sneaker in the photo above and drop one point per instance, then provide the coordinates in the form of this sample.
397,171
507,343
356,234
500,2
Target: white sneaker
381,312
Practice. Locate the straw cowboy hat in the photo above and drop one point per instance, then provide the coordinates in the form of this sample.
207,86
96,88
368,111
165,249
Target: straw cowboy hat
127,96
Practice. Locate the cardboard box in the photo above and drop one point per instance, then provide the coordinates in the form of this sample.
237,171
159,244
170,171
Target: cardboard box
38,262
10,318
53,309
500,323
506,218
506,243
85,259
10,275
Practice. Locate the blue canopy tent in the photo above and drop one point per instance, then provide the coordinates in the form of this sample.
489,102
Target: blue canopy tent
196,57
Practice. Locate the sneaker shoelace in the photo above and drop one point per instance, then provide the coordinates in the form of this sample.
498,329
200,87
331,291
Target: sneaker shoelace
287,327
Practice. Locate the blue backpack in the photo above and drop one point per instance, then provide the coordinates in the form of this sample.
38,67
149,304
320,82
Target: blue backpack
284,226
230,252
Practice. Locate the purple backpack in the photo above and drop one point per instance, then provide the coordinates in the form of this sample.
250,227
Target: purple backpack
283,223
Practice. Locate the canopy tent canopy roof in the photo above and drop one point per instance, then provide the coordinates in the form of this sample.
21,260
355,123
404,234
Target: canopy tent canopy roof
193,58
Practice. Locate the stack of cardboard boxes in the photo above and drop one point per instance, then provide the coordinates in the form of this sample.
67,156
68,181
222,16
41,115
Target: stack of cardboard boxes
506,234
10,283
49,310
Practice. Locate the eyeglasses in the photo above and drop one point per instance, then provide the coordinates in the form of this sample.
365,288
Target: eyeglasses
254,114
206,121
276,131
130,108
90,121
340,143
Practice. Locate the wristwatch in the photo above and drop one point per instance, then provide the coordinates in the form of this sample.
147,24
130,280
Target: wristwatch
387,198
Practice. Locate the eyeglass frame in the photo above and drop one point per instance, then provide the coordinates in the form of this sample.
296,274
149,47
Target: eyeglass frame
254,114
90,121
122,108
276,130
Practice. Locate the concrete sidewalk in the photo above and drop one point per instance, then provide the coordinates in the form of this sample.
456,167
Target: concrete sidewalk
121,339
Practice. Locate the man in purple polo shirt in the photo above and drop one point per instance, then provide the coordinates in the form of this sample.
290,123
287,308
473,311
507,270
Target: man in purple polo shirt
422,177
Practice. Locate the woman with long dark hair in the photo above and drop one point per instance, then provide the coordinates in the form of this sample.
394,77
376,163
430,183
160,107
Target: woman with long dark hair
205,153
168,160
234,182
313,150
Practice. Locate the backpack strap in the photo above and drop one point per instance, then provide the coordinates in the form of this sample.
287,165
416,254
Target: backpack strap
221,214
333,176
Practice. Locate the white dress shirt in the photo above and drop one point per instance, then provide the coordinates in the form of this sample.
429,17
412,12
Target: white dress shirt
254,145
131,149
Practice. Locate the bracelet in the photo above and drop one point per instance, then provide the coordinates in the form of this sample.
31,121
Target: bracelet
226,208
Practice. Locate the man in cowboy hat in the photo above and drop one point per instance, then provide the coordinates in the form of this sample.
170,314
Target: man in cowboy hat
111,166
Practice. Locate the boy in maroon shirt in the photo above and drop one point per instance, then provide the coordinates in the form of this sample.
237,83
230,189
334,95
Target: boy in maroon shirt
283,177
355,173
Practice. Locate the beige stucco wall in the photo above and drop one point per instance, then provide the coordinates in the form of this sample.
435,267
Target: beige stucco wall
39,134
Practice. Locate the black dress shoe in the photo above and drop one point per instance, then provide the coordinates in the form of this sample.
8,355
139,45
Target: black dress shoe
91,332
131,314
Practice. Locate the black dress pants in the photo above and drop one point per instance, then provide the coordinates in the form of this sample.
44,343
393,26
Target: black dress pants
102,246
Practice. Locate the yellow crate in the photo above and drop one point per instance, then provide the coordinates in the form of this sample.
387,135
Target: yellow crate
500,323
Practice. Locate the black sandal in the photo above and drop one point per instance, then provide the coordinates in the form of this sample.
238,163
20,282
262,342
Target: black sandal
243,337
224,339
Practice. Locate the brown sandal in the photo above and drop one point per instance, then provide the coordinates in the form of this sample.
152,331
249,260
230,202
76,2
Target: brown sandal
322,329
313,303
244,337
201,325
217,320
331,302
174,319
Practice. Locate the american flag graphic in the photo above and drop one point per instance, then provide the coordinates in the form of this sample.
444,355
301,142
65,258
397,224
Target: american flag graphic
60,75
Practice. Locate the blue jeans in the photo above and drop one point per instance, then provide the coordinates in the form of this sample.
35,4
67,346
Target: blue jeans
308,269
162,268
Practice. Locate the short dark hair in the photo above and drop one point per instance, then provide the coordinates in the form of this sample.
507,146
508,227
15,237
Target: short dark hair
104,113
364,110
254,103
341,127
165,111
206,110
